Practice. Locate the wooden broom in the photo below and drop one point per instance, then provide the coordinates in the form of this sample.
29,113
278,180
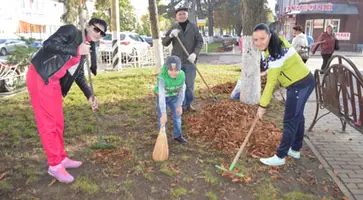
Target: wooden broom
161,149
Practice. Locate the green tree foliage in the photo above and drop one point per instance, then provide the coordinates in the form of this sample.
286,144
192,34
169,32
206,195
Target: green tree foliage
72,11
143,28
22,55
127,14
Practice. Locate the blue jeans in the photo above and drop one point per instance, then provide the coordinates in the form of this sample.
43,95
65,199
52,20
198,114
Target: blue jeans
171,102
190,73
294,121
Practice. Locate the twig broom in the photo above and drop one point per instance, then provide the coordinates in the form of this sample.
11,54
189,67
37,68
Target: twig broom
161,148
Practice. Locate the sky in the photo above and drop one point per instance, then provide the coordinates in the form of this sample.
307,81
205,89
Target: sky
141,6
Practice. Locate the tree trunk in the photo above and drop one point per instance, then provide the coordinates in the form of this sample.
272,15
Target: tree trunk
199,9
192,14
238,29
155,31
210,18
200,14
250,70
116,51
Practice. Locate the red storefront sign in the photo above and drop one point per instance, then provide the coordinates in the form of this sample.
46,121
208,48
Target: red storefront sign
310,7
342,35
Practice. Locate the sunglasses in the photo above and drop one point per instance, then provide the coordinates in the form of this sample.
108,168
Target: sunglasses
98,30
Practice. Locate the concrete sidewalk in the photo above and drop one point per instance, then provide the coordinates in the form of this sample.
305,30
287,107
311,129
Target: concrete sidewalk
341,153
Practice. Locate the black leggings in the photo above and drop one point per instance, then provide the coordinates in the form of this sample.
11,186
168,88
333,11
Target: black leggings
326,58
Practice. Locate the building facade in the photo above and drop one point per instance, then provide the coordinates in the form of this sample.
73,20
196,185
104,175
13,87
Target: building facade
30,18
316,15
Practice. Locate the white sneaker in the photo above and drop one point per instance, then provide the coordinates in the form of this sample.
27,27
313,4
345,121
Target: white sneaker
273,161
294,154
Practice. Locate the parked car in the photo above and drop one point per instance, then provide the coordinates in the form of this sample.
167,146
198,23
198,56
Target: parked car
8,44
229,39
131,46
148,39
36,44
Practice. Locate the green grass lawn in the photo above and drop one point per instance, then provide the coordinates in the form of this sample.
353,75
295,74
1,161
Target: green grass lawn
213,46
128,120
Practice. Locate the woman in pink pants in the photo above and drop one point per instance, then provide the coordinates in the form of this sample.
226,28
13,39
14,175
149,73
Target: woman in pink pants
51,74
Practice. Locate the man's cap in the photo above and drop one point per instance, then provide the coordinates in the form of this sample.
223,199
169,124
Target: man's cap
181,9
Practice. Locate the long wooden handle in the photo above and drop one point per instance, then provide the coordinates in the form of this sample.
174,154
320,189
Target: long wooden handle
245,142
186,52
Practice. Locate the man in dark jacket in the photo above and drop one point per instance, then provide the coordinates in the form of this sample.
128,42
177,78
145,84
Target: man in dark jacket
51,74
193,41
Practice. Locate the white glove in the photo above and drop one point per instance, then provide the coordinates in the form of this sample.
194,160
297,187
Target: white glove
174,33
192,57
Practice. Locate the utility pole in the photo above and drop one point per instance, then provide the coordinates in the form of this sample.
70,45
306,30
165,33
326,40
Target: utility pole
155,32
115,19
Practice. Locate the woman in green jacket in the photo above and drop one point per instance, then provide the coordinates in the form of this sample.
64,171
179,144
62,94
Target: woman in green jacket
286,67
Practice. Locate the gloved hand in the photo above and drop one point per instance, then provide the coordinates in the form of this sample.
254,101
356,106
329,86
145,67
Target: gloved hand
192,57
174,33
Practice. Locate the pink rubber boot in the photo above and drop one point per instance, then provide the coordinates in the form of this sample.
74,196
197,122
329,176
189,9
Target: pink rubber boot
60,173
68,163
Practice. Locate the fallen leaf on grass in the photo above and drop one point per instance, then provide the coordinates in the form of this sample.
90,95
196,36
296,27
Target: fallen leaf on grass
52,182
335,172
326,188
248,179
235,180
273,172
273,178
3,175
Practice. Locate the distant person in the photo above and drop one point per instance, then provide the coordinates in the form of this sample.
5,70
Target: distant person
327,43
240,43
193,41
309,38
300,43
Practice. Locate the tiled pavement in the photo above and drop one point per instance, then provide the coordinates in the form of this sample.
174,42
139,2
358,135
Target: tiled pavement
341,153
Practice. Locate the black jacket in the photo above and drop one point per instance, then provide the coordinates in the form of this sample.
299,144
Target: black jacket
56,51
191,39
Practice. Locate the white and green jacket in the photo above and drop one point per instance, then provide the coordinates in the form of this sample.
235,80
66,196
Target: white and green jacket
286,69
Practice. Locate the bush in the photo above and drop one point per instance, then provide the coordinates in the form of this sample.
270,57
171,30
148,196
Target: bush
22,55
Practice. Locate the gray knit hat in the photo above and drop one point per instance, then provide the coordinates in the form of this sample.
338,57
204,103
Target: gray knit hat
173,60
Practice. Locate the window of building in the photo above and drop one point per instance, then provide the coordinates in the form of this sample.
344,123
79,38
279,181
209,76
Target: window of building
334,22
309,29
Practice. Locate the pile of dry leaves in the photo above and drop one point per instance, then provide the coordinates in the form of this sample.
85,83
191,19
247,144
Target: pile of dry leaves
227,88
225,124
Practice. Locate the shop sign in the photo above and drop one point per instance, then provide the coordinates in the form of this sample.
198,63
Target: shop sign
201,22
310,7
342,35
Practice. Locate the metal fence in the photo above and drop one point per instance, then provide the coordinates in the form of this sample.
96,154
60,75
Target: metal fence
136,59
